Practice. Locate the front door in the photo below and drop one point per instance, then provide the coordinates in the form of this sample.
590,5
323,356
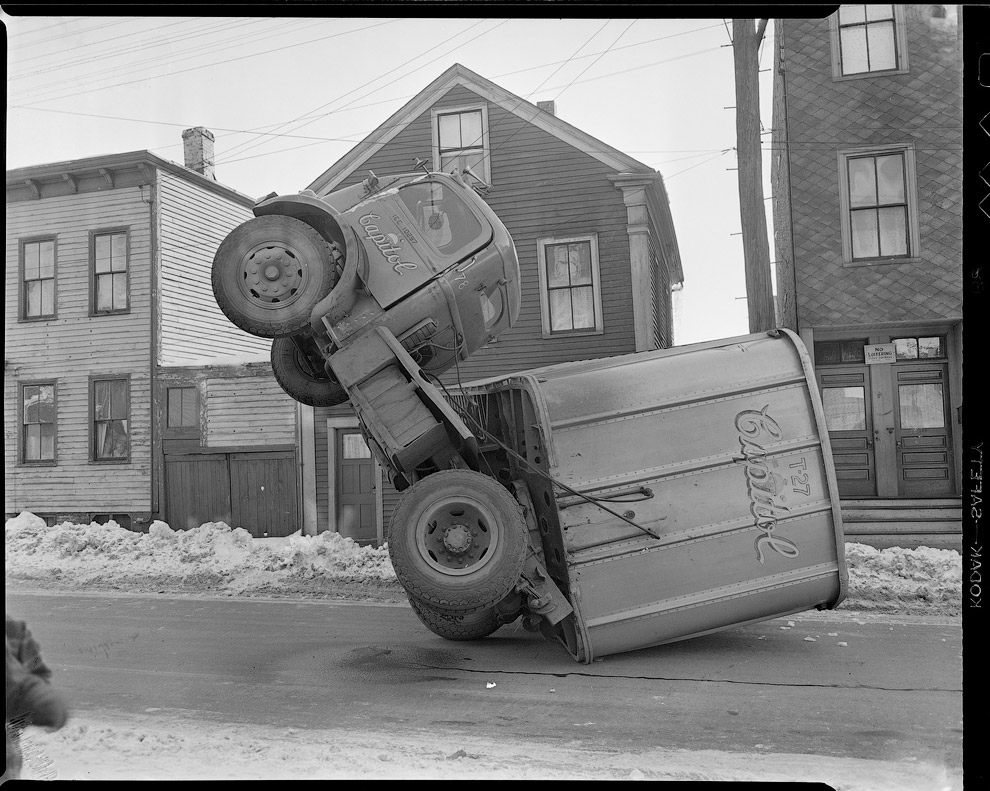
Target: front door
921,430
356,496
846,396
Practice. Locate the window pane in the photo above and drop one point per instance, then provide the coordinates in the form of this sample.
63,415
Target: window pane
845,408
853,45
852,351
118,399
46,404
881,44
101,400
864,234
583,307
930,348
118,252
558,268
862,182
104,294
849,14
879,11
471,129
579,261
921,406
31,262
560,310
354,447
46,259
47,297
826,352
890,177
893,231
102,258
31,404
119,298
450,131
906,348
112,440
33,297
48,442
32,443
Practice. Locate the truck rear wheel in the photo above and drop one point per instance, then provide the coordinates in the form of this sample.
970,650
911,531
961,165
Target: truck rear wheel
457,626
300,377
270,272
457,541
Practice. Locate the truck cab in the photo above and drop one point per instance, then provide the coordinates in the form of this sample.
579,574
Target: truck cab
420,254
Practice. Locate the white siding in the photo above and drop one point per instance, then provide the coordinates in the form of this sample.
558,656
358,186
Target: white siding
193,223
248,412
73,346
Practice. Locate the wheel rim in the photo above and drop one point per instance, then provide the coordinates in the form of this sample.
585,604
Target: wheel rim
457,536
271,275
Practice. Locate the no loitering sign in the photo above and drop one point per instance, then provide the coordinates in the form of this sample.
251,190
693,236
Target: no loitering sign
879,353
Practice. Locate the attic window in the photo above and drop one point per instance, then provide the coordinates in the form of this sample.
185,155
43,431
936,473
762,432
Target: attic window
460,140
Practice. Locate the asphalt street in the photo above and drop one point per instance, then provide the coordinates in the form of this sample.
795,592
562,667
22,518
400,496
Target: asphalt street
831,684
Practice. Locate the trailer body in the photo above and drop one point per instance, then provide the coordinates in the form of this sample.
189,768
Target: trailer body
676,492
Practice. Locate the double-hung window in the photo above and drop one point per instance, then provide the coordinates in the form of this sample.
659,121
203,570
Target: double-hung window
109,253
111,407
38,431
868,39
460,140
38,279
879,204
570,285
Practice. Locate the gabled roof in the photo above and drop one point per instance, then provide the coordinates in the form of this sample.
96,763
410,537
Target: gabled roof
458,75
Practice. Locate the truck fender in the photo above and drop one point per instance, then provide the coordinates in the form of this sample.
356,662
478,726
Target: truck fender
310,209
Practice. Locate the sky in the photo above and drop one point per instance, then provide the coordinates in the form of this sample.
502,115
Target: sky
286,97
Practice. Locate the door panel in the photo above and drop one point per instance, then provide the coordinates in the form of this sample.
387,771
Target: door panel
357,512
922,432
197,490
846,397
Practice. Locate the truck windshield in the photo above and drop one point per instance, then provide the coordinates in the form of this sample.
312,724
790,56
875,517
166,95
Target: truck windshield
442,217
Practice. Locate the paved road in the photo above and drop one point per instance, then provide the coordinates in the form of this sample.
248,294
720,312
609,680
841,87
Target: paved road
833,684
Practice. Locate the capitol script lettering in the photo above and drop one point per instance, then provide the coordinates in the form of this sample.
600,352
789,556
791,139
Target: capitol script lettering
762,483
387,243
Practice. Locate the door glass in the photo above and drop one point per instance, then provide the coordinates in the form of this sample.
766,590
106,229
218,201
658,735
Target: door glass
354,447
845,408
921,406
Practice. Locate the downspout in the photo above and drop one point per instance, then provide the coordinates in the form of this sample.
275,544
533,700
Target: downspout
154,276
790,193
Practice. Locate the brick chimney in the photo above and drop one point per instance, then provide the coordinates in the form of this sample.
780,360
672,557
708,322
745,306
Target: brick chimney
549,106
197,147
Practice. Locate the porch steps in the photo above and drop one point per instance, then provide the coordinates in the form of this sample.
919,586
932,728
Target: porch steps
907,523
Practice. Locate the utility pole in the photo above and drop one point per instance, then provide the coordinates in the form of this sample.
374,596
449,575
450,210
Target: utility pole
746,37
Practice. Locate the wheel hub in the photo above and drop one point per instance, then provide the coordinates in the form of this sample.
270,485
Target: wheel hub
272,274
457,539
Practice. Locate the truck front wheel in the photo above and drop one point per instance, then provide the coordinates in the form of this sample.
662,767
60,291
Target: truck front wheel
457,541
302,378
270,272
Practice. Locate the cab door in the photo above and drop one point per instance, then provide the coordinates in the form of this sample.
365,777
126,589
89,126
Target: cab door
921,430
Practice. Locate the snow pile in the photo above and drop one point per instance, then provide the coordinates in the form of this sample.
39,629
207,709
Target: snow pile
904,580
216,558
212,557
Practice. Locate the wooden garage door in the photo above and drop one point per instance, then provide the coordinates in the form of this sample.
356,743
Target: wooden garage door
255,491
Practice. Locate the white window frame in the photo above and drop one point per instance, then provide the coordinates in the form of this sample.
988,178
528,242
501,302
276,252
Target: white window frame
900,43
911,196
436,112
596,282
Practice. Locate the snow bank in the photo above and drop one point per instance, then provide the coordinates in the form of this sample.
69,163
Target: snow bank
216,558
211,557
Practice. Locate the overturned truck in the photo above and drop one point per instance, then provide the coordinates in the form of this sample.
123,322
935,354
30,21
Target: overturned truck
611,504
